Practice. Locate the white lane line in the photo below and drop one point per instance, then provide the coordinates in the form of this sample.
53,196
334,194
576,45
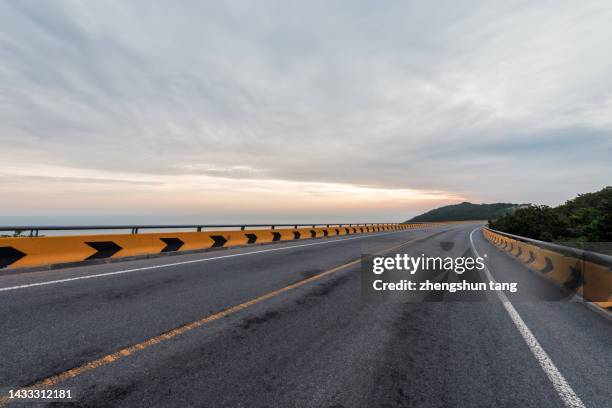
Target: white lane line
565,391
99,275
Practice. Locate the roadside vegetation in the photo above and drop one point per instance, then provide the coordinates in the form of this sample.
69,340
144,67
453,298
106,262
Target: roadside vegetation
586,218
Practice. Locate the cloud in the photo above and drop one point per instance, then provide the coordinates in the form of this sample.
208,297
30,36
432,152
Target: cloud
475,100
15,180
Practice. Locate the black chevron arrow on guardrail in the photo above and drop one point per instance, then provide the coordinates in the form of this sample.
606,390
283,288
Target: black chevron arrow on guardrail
105,249
296,235
219,241
354,230
347,231
9,255
252,238
337,231
325,233
276,236
313,233
172,244
576,279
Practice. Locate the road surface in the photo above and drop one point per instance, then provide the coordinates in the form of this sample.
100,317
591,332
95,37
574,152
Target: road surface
285,326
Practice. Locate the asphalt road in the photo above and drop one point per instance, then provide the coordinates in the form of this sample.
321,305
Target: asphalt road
283,326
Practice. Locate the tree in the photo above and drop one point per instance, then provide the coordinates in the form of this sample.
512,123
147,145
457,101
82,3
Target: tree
586,218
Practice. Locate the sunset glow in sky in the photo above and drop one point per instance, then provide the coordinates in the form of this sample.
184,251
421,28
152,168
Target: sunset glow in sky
298,111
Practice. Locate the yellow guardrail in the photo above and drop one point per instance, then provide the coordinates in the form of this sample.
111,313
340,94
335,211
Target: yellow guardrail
25,252
587,275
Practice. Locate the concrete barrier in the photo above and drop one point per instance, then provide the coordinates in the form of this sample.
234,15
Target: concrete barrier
586,273
37,251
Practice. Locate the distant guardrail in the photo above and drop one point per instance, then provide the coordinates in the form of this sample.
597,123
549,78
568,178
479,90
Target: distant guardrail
40,251
33,231
586,273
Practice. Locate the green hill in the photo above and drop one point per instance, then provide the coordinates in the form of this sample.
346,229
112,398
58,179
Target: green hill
465,211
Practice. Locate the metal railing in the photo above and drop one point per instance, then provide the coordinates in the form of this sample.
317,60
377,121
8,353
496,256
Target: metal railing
134,229
595,257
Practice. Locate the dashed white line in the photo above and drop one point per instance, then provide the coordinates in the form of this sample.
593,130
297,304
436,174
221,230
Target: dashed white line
565,391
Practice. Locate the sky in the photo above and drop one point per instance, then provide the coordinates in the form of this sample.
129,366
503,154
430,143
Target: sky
274,111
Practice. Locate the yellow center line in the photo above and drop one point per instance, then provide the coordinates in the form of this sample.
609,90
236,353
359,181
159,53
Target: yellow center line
92,365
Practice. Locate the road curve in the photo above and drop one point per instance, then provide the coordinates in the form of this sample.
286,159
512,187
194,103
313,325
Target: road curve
284,326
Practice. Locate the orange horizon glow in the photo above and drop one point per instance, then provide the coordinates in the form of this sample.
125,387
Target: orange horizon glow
60,191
